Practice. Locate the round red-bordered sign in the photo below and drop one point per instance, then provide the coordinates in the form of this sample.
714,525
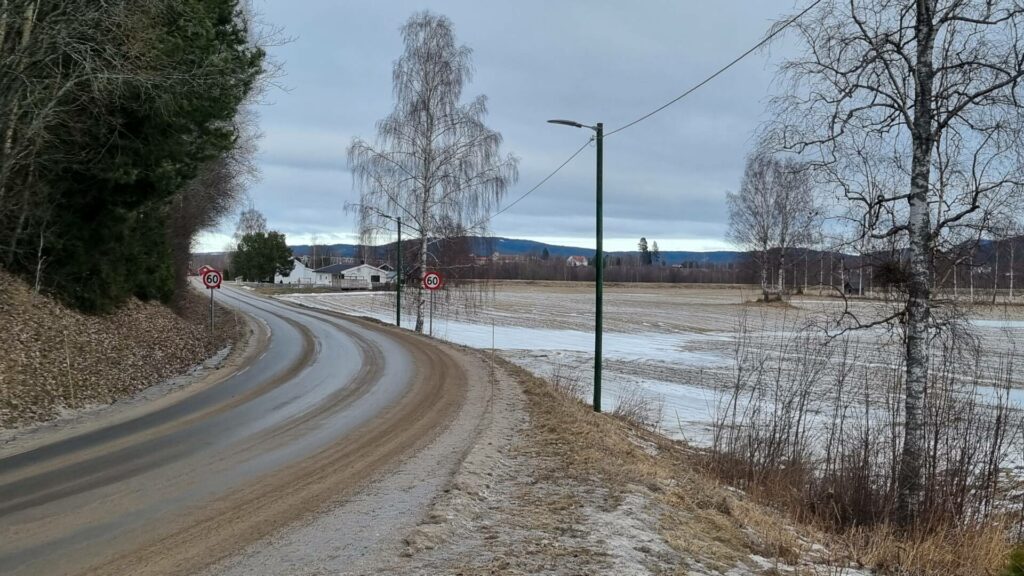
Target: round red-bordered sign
211,279
432,281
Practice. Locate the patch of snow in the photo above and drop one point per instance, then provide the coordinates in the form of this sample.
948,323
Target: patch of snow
1012,324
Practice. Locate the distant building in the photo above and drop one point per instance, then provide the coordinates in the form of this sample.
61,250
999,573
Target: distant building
359,276
302,275
574,261
497,257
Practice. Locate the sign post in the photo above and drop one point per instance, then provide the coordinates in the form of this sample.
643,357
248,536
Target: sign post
211,279
433,282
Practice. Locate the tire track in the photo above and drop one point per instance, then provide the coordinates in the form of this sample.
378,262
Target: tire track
301,461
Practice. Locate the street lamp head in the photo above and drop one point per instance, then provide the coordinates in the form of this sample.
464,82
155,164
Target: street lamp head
568,123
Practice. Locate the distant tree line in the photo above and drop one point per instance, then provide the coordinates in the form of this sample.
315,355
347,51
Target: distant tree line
120,138
617,269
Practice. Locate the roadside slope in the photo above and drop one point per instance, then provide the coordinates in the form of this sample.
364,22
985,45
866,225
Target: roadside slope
55,359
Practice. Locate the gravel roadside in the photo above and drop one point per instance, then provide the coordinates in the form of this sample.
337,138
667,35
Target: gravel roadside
549,487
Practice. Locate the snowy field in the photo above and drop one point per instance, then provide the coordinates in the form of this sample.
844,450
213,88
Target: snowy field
675,345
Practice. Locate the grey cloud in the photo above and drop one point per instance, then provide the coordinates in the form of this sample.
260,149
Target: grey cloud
609,61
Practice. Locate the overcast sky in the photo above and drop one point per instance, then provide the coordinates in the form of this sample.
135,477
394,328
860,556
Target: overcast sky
590,61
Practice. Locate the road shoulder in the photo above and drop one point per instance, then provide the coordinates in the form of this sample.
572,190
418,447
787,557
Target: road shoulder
550,487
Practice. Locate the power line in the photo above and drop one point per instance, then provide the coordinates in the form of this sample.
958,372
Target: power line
753,49
539,184
693,89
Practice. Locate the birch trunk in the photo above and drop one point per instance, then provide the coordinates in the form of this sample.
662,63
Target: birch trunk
782,272
995,273
918,305
764,275
420,296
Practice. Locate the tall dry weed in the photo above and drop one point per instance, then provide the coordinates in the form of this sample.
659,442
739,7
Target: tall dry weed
816,428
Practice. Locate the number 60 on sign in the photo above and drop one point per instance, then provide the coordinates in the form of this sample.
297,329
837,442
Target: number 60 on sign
432,281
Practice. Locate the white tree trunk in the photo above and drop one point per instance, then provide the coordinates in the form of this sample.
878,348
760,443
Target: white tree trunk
782,272
971,273
995,273
420,296
764,275
918,289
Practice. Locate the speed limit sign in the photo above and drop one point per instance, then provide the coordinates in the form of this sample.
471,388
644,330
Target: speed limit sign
211,279
432,281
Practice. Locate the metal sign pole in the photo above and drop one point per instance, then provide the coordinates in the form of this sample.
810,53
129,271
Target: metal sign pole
398,278
432,312
211,279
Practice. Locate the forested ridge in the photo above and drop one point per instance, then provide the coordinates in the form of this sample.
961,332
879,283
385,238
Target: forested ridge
121,137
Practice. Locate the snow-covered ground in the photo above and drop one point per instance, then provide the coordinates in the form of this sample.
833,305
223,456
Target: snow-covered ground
673,345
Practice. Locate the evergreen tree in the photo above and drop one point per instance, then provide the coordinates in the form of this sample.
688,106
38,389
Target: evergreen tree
261,255
141,96
645,253
655,253
544,255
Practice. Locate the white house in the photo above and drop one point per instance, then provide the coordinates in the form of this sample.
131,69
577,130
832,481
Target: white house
302,275
576,261
344,275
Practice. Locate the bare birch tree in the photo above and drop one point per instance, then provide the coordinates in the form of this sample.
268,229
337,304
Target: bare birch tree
250,221
774,211
434,163
922,88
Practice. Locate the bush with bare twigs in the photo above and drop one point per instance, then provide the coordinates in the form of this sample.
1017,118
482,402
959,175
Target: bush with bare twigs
816,428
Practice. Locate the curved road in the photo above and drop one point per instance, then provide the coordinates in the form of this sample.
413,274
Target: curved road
329,402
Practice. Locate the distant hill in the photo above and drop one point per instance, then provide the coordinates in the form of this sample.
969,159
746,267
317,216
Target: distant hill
519,247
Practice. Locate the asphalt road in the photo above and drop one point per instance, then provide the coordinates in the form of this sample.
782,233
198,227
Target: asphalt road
326,403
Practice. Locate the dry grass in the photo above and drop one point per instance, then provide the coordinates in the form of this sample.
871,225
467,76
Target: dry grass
704,521
568,381
827,465
980,551
55,358
635,405
719,527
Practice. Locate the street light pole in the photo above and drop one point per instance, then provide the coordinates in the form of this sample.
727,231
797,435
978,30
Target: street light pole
599,322
599,292
398,278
